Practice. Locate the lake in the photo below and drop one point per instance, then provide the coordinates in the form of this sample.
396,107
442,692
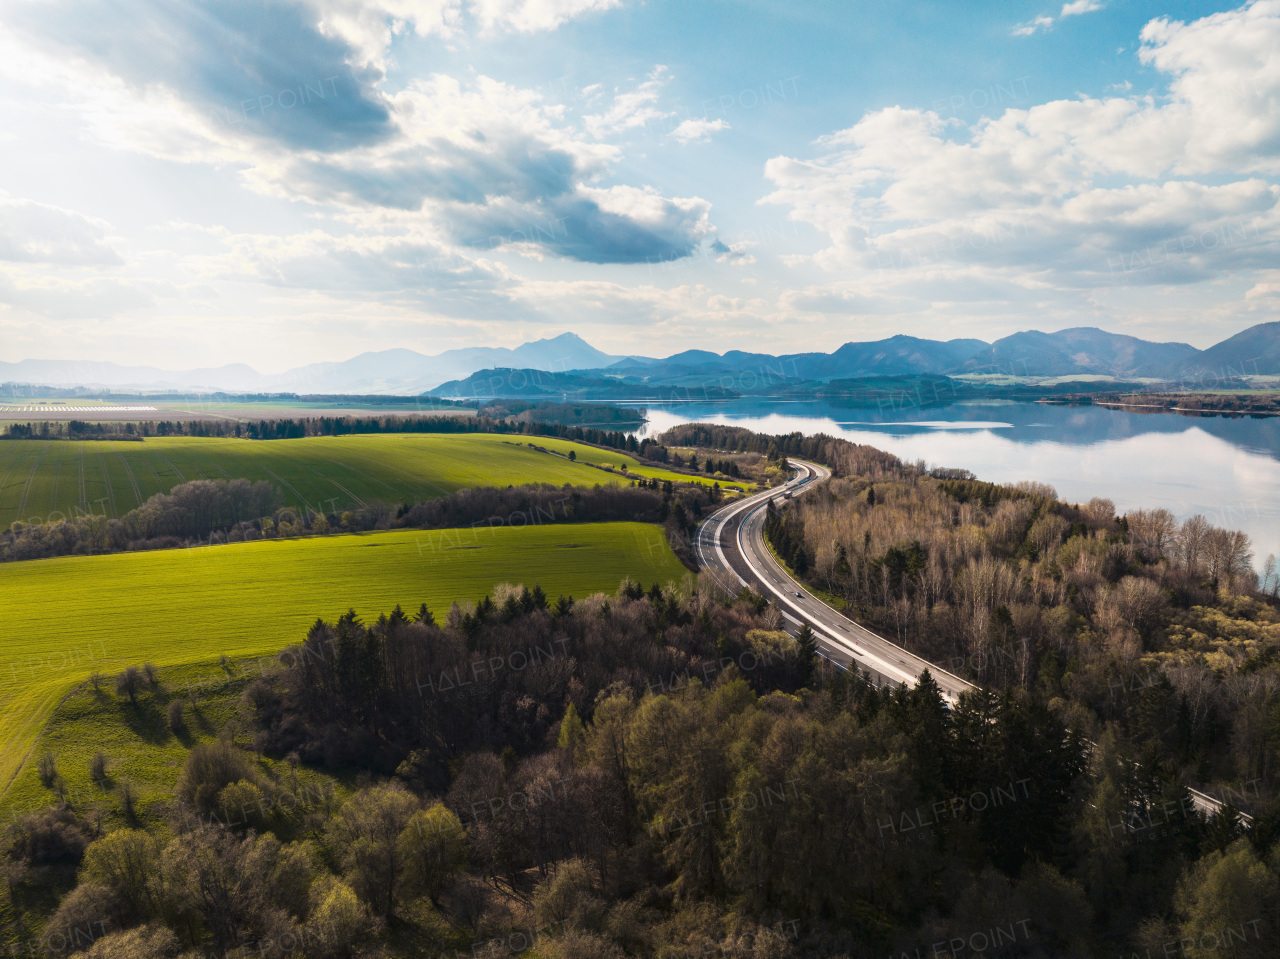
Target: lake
1224,467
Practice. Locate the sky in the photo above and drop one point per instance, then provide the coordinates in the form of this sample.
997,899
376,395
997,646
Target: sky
188,184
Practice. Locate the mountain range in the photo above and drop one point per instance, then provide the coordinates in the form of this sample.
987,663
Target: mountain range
384,371
1081,351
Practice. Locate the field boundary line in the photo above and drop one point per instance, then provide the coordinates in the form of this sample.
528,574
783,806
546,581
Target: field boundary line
408,473
357,499
169,463
26,489
4,480
362,474
106,481
16,465
84,489
289,486
214,463
57,476
25,759
155,464
137,493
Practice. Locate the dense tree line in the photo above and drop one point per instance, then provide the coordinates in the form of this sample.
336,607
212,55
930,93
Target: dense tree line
198,511
677,508
785,533
726,466
482,678
839,454
297,428
72,429
655,773
740,440
209,512
570,414
1156,630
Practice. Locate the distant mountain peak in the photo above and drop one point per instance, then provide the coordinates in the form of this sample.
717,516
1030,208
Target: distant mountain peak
567,337
1071,351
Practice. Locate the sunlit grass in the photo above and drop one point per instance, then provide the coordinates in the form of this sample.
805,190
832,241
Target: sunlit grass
63,618
43,480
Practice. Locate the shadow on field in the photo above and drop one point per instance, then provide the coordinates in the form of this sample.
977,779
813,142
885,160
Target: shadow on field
202,722
145,719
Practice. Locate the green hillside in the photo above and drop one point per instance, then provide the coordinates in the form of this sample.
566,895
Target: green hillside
67,617
40,480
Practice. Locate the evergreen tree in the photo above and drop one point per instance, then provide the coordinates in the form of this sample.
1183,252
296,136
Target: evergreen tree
571,731
806,655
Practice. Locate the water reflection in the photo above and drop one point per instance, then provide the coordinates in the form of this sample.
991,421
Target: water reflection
1226,468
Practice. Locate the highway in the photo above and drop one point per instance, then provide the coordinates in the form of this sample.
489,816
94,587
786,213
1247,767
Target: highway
731,540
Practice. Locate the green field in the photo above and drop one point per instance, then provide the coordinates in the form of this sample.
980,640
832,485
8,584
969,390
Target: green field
61,619
43,480
140,746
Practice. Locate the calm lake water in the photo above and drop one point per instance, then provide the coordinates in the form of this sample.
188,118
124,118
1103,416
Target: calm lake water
1226,468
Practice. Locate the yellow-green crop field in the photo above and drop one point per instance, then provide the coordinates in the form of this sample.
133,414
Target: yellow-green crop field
63,618
40,480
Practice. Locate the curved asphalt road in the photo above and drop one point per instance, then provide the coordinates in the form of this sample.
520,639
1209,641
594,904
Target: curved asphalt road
732,540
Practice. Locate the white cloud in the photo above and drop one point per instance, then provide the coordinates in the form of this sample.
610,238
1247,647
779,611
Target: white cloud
1224,88
1032,26
369,26
737,254
690,131
37,233
683,313
530,16
488,166
1073,8
1077,7
1268,285
1070,194
631,108
471,160
845,299
93,297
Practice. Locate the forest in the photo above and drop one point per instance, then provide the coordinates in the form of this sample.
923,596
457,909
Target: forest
1154,631
655,773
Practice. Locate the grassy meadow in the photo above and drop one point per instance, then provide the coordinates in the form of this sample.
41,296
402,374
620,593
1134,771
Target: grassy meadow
67,617
140,747
40,480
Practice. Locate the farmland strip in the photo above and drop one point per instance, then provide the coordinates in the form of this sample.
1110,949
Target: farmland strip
289,486
363,475
169,463
31,476
353,496
137,493
84,490
106,480
57,475
404,472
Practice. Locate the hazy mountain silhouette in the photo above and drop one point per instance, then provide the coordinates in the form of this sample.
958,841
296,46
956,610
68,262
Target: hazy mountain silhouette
1080,351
